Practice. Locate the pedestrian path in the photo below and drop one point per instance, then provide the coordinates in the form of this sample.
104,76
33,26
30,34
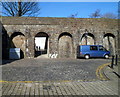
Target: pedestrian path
60,88
111,73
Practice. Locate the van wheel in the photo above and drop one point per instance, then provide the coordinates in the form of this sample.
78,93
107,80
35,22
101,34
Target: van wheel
87,56
106,56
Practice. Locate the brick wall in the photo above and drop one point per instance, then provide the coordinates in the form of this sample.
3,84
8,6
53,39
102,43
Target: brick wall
54,27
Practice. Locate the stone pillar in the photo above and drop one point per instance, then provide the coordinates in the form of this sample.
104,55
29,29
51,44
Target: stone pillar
99,38
116,42
118,45
53,45
76,41
30,50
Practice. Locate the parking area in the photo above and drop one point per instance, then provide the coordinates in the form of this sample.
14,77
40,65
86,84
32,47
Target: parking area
51,69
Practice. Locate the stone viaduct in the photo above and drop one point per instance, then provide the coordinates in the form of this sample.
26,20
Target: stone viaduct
62,35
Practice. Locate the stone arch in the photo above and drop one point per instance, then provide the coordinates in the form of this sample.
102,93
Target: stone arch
87,39
17,40
109,42
65,45
41,44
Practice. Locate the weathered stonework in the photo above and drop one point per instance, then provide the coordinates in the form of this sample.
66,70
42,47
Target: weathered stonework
64,34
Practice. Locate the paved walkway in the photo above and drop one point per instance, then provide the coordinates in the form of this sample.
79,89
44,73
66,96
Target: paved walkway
61,88
112,73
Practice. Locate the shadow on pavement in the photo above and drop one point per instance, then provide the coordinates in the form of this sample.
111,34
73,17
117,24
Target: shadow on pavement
116,74
7,61
93,58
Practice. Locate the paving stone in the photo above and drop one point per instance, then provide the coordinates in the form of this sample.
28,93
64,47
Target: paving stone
61,88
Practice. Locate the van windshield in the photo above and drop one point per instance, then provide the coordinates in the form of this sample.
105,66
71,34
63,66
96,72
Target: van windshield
101,48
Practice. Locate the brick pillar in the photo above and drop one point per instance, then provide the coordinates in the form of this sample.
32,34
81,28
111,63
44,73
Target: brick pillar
53,45
116,41
118,45
30,51
98,38
76,41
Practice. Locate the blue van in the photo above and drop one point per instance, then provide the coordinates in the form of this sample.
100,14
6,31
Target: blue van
88,51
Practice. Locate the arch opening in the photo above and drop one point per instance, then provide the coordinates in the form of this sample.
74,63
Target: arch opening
41,44
87,39
65,45
17,40
109,42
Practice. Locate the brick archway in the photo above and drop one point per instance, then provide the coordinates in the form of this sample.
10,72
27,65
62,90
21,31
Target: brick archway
17,40
41,44
65,45
87,39
109,42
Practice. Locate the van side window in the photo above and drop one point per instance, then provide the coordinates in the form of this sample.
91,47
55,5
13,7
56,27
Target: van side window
101,48
93,48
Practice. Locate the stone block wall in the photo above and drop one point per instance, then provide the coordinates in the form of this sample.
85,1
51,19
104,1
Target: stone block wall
64,34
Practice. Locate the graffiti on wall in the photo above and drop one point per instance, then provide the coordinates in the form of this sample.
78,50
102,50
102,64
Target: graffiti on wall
54,55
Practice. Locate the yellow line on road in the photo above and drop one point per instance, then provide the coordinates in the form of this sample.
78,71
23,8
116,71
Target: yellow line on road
2,81
99,72
59,81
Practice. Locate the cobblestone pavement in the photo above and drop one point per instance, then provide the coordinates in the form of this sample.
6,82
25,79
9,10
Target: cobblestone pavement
51,69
